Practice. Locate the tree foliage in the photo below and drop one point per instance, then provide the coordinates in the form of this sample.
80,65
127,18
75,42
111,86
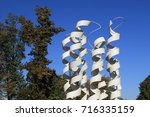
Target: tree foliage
41,82
144,90
11,55
38,37
33,92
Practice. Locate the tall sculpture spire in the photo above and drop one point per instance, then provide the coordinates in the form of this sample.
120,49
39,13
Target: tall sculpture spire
113,64
96,83
78,79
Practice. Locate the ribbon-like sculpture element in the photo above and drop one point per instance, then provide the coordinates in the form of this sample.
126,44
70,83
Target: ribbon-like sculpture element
113,65
96,83
76,83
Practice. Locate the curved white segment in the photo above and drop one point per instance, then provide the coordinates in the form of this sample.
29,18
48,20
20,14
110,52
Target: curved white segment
82,23
113,65
65,41
66,86
75,35
96,95
112,52
103,95
101,84
97,92
73,94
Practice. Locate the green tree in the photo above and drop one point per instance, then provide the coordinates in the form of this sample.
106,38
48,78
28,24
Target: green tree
55,90
11,55
144,90
38,37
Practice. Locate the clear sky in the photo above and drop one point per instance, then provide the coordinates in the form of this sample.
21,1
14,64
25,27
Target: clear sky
134,42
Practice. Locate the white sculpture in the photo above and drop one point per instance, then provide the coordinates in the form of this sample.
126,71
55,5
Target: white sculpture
113,64
75,66
97,67
78,78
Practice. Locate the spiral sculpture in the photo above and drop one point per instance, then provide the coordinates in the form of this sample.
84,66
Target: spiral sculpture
75,66
72,87
66,62
78,79
96,83
113,64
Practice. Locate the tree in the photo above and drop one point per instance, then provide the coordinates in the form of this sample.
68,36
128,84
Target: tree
144,90
38,37
55,90
11,55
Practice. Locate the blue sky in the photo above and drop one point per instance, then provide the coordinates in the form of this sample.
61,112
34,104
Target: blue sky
134,42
